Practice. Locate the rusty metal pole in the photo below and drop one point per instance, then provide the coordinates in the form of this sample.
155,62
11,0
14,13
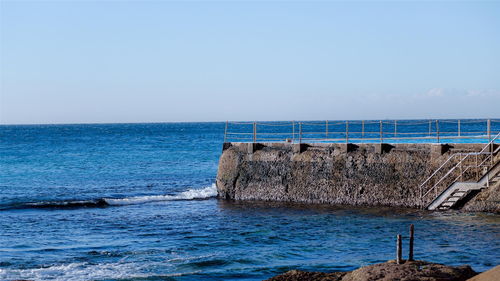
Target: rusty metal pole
412,233
399,250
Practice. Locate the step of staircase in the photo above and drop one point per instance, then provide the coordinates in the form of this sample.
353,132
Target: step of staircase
454,199
452,195
457,192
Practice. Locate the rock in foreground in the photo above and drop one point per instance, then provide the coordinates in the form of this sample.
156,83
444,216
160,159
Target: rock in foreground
409,271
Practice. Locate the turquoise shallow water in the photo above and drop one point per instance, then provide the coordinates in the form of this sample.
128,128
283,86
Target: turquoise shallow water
136,202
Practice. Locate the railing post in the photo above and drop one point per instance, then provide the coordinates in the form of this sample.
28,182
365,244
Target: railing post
362,129
459,127
395,128
254,132
346,131
293,131
477,168
491,144
225,132
488,125
430,127
381,132
437,130
461,170
326,128
300,132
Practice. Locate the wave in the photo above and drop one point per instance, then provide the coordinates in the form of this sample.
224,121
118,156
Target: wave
89,271
191,194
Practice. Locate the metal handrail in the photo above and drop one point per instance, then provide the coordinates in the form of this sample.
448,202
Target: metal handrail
462,160
364,130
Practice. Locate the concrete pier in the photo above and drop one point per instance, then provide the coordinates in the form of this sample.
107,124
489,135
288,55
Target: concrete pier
347,174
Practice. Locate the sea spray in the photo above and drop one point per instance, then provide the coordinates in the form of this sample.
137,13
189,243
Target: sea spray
207,192
190,194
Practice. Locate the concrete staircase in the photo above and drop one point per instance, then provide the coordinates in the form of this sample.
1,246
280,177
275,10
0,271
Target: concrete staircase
458,192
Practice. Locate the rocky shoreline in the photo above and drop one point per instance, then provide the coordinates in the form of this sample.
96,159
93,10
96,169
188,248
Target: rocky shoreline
388,271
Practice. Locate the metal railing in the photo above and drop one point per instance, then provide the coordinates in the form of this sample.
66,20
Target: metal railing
362,131
464,167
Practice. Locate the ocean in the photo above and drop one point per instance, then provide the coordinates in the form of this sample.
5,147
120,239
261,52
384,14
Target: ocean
138,202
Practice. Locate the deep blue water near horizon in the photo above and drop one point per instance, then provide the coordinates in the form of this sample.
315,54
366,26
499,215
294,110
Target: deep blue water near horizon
137,202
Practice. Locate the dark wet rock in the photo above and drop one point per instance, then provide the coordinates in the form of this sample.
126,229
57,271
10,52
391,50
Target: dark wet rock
388,271
297,275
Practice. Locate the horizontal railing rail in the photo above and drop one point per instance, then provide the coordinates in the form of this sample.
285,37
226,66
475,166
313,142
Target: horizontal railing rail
477,130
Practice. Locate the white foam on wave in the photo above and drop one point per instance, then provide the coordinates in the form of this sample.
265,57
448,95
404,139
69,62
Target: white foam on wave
207,192
87,271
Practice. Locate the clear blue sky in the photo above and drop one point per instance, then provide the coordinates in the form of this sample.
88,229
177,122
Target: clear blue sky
155,61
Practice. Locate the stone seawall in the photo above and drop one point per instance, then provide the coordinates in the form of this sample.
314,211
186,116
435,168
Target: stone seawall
362,174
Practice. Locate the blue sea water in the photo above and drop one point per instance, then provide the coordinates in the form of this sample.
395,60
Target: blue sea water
137,202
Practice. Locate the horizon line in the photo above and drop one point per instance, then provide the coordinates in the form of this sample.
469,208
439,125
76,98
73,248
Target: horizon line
224,121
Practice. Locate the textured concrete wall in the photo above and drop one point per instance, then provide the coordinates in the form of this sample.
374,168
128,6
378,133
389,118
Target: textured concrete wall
486,201
365,174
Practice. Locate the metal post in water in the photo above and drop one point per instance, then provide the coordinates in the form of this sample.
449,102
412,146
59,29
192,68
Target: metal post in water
437,130
346,131
225,132
399,251
412,232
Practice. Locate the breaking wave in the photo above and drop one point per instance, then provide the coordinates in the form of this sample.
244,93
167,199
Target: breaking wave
89,271
191,194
